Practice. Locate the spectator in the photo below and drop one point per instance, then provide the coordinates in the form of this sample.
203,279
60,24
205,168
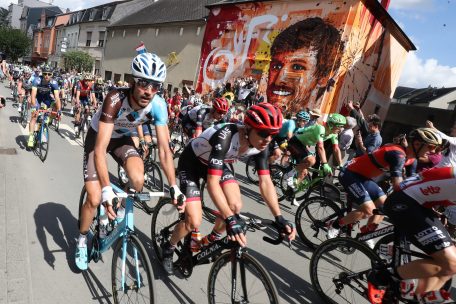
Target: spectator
315,115
346,138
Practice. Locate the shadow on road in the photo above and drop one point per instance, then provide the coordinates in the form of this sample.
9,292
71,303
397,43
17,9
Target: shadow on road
21,141
49,217
98,291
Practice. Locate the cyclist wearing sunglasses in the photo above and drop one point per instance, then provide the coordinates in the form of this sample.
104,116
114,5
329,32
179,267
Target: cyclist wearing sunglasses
42,88
207,156
85,97
202,117
359,177
123,110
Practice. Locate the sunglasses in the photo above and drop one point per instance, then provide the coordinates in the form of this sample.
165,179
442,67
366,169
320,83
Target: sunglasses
47,74
221,112
265,133
146,84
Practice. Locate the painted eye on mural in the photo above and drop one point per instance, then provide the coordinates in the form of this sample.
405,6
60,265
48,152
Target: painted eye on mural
276,65
298,67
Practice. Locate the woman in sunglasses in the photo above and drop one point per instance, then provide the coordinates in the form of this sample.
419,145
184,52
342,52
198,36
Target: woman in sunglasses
207,156
110,132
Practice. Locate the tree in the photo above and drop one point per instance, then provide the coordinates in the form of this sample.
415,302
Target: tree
3,16
78,60
14,43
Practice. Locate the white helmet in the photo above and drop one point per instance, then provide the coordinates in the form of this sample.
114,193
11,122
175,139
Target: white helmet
148,66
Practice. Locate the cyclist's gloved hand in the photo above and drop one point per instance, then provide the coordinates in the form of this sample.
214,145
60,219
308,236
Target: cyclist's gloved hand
107,198
178,197
235,229
286,227
327,170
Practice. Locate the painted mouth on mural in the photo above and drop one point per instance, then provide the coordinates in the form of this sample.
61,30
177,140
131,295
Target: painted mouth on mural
282,91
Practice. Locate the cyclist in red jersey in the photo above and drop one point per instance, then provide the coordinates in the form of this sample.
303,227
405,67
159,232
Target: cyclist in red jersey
358,175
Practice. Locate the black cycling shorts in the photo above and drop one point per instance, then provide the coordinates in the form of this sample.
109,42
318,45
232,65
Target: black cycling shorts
192,170
119,148
420,224
298,150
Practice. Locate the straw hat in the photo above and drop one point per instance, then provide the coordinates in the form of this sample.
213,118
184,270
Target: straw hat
315,112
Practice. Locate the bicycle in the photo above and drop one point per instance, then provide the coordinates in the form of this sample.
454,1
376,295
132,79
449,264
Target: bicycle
24,111
228,265
41,133
131,270
15,93
329,254
153,178
84,123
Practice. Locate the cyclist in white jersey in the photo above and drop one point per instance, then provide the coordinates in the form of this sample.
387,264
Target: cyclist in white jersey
122,111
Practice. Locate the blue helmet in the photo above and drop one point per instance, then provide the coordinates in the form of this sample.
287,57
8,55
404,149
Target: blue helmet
303,115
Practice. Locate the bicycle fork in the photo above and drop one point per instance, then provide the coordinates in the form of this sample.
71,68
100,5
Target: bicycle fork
236,257
124,260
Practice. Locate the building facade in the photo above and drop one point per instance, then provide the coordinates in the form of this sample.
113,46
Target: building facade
172,29
15,11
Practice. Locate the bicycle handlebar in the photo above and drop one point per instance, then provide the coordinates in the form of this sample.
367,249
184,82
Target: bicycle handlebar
272,241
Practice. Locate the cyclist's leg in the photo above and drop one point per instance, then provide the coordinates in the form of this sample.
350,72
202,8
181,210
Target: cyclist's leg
427,233
127,155
32,123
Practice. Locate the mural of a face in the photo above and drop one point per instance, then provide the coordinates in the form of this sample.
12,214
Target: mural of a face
291,77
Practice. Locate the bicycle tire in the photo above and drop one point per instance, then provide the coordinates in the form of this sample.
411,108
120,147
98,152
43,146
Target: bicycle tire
43,142
346,279
83,130
131,284
322,189
245,261
165,214
308,219
277,172
250,170
207,202
24,115
154,181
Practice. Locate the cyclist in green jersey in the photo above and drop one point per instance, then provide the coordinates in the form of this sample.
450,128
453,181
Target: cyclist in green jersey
315,135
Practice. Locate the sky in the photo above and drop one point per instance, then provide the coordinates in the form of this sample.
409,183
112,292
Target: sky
428,23
431,26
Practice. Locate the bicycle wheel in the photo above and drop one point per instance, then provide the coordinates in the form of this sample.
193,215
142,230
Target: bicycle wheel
153,178
253,283
206,201
251,171
43,142
277,172
135,270
164,219
321,189
83,130
312,218
24,115
338,270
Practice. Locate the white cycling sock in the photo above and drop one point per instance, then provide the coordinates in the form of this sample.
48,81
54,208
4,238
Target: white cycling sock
82,240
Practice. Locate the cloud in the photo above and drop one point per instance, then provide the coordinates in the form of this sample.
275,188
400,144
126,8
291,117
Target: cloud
411,4
419,73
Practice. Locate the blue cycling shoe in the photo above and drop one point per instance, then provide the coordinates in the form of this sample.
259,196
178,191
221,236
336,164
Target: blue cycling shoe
81,258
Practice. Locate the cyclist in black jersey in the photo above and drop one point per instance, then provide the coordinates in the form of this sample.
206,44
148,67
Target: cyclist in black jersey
207,156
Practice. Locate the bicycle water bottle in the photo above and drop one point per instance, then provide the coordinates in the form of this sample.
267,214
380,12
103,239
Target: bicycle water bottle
290,178
103,223
121,212
196,240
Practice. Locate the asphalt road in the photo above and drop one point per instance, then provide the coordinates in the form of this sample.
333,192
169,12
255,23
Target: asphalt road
38,228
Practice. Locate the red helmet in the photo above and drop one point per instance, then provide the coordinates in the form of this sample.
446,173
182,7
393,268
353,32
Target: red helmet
220,105
264,116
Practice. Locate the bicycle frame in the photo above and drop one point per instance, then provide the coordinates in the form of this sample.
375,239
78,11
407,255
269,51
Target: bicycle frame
122,230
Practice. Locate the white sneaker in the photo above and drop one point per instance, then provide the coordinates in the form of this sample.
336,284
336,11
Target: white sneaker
332,232
370,243
294,202
71,111
19,109
76,129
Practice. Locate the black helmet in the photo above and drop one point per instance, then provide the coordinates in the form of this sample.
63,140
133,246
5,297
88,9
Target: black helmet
46,69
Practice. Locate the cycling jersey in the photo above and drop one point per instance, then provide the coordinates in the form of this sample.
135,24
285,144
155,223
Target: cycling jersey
220,144
44,90
116,109
311,135
84,89
199,116
372,165
288,126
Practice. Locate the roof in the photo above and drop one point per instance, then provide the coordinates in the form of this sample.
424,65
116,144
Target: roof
34,14
373,5
403,92
95,13
167,11
429,94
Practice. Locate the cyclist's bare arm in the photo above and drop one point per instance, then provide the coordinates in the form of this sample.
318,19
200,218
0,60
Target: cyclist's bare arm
33,97
268,192
165,154
57,99
321,151
337,154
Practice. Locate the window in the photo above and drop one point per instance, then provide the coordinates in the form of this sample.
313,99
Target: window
79,16
128,77
89,38
106,11
116,77
108,75
92,14
101,37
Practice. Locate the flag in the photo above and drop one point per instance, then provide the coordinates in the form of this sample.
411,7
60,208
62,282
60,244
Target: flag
140,49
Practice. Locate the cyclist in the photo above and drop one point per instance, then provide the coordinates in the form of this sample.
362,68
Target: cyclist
202,117
289,126
99,90
315,135
410,210
42,88
26,85
206,157
358,175
85,98
16,77
122,111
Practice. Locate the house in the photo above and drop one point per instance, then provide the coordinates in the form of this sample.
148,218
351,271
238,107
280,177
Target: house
31,17
55,57
432,97
172,29
15,11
